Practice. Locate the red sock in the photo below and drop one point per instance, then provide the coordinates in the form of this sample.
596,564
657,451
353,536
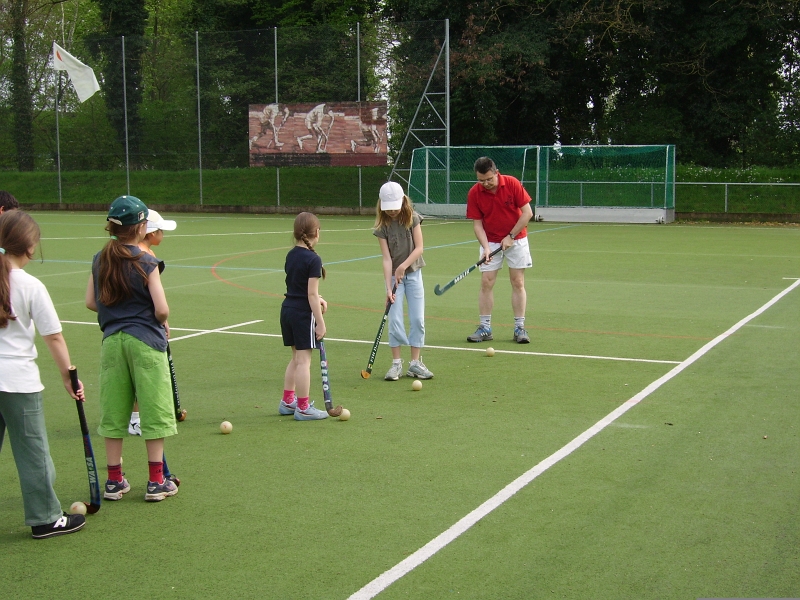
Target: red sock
156,471
288,396
115,472
302,404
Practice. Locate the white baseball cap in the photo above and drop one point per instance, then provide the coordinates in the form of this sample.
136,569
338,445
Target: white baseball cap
391,196
156,222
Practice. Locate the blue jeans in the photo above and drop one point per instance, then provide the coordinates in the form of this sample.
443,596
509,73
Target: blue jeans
412,290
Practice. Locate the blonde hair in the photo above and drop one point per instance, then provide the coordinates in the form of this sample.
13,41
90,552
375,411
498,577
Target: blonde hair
306,225
405,218
18,234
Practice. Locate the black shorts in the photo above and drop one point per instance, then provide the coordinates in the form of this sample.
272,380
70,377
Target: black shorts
297,328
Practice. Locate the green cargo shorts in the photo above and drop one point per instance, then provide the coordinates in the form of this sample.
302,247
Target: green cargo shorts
130,370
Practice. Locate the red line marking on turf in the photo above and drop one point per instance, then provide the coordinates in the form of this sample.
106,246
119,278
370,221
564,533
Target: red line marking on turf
447,319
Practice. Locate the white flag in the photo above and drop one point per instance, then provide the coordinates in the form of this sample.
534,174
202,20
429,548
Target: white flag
82,76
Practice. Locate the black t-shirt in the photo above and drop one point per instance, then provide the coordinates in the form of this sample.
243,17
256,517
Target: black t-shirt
301,265
136,314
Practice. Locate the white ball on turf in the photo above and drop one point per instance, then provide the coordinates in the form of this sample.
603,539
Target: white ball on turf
226,427
417,385
77,508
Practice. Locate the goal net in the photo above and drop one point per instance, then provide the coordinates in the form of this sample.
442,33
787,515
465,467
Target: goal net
566,183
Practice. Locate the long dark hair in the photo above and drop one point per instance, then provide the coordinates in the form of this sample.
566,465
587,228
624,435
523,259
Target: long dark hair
113,283
305,226
19,233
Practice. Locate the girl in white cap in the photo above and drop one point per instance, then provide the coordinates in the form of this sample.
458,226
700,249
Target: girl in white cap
397,227
156,225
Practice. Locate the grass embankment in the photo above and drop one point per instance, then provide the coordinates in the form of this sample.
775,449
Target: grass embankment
340,186
321,186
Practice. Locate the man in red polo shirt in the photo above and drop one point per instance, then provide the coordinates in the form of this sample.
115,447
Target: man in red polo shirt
500,209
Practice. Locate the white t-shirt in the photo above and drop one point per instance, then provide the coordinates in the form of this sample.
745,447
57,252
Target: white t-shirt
30,303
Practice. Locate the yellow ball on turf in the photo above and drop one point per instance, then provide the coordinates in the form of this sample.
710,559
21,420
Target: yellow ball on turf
417,385
345,416
226,427
490,352
77,508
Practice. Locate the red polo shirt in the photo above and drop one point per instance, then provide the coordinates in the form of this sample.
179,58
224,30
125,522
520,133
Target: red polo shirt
499,211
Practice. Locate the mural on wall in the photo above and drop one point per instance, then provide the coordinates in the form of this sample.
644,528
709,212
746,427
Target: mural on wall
328,134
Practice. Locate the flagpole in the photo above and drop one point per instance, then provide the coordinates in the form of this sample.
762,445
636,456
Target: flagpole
58,141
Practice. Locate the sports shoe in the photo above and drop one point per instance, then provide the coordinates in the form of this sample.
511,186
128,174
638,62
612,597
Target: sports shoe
393,374
418,370
310,414
521,336
134,428
156,492
481,335
287,409
115,489
65,524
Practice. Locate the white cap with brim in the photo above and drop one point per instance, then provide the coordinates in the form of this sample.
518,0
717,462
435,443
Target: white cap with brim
391,196
156,222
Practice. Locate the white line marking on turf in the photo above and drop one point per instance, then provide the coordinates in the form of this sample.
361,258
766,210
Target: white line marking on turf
380,583
204,332
224,330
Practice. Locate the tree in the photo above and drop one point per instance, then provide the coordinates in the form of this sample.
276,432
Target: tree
123,23
21,96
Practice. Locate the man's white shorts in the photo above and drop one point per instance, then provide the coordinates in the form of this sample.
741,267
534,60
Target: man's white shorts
518,256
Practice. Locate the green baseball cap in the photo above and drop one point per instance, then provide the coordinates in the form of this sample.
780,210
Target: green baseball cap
127,210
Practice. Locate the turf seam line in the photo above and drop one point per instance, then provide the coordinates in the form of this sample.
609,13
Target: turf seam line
380,583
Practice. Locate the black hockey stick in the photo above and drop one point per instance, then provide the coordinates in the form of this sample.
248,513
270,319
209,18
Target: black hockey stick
326,385
439,291
180,413
368,371
88,453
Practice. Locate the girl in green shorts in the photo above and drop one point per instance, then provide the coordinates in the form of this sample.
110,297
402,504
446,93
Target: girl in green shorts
126,292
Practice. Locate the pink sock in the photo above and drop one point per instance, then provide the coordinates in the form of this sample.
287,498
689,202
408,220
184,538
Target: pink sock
288,396
302,404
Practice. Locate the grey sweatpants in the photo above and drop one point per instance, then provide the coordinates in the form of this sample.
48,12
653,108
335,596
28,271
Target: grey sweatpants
23,416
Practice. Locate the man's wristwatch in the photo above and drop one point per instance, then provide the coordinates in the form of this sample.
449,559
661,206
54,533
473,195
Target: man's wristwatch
511,235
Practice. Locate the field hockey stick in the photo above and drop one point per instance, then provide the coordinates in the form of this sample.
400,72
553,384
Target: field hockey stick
180,413
439,291
88,453
368,371
167,474
326,385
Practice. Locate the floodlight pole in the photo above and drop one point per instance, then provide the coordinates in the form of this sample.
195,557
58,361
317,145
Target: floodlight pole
447,104
358,93
199,129
277,168
125,110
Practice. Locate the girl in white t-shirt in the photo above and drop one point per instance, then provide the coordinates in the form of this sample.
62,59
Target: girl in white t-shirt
26,306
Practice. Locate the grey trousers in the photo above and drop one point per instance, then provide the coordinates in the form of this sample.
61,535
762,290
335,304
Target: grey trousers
23,416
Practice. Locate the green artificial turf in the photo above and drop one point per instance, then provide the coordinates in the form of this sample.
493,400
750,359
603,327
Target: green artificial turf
681,497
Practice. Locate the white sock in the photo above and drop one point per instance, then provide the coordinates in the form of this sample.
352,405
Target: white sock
486,321
134,417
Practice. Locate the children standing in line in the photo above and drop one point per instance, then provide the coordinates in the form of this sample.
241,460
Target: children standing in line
301,318
26,306
156,226
125,290
397,227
